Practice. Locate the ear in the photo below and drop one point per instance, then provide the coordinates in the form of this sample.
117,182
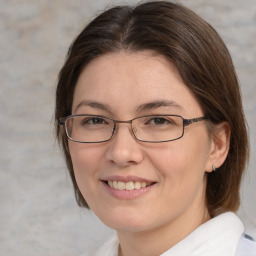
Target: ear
219,146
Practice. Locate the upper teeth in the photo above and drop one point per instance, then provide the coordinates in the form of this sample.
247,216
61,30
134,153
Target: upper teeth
130,185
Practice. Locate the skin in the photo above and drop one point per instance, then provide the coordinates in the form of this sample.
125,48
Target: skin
175,205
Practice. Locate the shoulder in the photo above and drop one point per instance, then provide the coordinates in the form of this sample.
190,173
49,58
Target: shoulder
107,247
246,246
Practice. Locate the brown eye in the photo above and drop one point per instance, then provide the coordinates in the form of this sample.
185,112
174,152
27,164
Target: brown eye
159,121
94,121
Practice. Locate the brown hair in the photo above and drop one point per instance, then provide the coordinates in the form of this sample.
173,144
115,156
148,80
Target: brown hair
204,64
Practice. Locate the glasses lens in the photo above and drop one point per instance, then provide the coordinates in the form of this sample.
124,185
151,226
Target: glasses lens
158,128
87,128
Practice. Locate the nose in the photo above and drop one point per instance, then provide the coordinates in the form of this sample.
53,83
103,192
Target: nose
124,149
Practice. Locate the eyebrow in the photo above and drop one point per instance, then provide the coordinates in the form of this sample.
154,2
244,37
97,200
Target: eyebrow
93,104
157,104
144,107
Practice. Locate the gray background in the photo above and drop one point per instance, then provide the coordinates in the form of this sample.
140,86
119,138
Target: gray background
38,213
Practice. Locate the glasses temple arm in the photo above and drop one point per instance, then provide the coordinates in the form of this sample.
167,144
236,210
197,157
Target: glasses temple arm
187,122
61,121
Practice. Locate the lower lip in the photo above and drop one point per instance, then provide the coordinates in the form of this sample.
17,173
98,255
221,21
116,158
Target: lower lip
127,194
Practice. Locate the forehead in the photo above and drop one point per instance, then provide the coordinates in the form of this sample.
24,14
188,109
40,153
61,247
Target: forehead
125,81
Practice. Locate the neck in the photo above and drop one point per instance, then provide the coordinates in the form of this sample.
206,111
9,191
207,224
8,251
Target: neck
161,239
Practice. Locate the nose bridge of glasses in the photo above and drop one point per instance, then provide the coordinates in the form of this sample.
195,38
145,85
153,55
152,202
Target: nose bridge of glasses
123,122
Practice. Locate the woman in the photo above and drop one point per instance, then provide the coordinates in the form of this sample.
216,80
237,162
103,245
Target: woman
149,115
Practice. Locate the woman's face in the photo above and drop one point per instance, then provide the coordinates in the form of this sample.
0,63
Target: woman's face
124,86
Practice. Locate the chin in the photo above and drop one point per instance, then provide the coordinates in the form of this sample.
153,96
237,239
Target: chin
127,221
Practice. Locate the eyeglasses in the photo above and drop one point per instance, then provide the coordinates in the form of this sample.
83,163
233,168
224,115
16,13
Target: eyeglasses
151,128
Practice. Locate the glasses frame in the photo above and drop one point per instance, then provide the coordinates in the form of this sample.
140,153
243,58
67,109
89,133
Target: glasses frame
186,122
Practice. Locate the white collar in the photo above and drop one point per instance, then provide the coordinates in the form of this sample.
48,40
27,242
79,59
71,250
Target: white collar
217,237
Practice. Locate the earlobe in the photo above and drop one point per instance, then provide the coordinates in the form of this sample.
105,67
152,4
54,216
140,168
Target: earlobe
219,146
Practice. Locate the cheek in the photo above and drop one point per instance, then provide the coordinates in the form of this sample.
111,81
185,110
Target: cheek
85,159
181,163
181,174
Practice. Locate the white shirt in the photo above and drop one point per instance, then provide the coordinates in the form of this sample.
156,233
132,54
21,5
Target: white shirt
217,237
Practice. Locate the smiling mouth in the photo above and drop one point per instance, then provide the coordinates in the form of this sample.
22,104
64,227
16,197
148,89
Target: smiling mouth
130,185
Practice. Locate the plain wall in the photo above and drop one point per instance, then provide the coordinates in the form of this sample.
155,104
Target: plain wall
38,212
